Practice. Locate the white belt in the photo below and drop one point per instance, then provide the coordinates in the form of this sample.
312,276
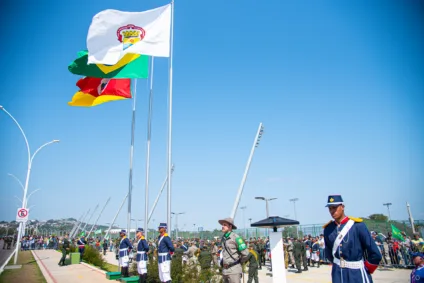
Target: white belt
123,249
141,252
349,264
163,254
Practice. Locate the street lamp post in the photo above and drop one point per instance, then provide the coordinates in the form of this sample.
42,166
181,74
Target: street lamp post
267,205
30,159
388,204
176,222
295,215
244,221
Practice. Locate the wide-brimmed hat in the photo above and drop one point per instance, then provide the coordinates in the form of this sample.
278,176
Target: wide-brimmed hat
228,220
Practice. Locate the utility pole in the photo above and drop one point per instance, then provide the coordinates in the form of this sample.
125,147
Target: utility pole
388,204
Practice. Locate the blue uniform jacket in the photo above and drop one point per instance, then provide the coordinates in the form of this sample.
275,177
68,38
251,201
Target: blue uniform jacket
352,248
142,249
315,247
124,246
184,247
164,247
81,242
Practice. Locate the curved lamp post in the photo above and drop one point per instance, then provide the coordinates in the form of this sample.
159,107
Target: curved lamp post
30,159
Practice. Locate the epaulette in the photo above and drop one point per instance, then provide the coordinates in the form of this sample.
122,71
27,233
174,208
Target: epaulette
327,224
356,219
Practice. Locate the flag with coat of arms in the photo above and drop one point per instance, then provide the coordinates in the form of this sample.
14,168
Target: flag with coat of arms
113,33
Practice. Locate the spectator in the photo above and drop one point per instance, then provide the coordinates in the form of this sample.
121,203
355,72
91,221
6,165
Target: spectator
417,274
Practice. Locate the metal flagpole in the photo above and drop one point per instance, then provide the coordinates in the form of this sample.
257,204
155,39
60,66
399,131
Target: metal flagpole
76,224
171,50
149,135
89,219
116,215
246,171
158,197
101,212
130,185
79,226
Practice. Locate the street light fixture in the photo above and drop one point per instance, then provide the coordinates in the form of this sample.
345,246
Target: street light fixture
244,222
176,221
30,159
294,206
267,206
388,204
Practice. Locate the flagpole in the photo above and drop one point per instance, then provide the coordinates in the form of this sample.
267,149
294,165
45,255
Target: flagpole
169,183
149,135
130,184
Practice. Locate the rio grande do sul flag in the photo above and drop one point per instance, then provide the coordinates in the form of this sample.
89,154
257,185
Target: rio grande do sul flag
95,91
113,33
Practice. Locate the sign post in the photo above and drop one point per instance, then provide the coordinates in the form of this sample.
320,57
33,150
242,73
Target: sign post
22,215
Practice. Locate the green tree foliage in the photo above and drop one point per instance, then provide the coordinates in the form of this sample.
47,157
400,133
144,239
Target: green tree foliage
378,217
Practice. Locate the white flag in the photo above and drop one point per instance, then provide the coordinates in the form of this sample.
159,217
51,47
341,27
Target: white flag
114,33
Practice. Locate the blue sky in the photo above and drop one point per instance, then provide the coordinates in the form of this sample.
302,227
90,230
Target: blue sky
338,87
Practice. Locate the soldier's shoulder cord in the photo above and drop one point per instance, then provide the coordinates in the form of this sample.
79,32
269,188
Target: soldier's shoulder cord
328,223
356,219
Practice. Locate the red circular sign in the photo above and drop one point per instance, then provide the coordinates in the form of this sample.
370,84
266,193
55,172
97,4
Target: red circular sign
22,213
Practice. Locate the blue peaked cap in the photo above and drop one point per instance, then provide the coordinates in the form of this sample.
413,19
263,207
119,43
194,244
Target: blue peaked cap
162,225
140,230
334,200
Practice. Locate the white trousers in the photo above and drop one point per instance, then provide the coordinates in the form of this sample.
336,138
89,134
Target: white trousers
123,261
142,267
165,271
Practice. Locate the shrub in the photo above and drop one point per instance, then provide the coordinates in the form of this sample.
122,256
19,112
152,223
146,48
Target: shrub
92,256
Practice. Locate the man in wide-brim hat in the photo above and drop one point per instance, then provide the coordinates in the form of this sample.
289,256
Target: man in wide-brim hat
234,252
124,248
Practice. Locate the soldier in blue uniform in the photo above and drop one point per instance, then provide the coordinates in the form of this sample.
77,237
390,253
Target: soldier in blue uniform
165,249
81,245
124,248
346,241
142,249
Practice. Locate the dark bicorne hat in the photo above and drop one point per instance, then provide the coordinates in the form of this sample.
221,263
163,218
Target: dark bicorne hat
334,200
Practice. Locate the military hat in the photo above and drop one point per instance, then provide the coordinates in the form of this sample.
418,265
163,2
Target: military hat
334,200
140,230
123,232
228,220
162,225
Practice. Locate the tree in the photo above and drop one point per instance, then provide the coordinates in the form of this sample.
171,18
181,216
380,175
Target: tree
378,217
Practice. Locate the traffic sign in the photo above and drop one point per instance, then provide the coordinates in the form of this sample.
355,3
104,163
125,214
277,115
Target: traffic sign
22,215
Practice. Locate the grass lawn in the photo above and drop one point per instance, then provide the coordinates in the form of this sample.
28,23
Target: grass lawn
110,267
29,273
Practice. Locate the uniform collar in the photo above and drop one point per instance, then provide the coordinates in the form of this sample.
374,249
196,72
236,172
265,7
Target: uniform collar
344,221
226,235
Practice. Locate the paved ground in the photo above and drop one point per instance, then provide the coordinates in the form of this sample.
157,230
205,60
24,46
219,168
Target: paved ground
316,275
322,275
4,254
48,262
